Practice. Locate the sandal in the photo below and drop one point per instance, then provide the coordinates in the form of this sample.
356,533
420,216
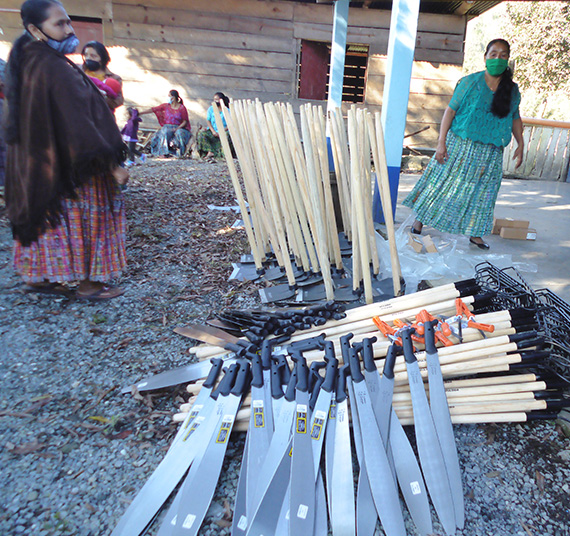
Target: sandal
106,292
53,289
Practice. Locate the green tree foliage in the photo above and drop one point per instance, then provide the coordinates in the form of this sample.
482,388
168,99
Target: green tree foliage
539,33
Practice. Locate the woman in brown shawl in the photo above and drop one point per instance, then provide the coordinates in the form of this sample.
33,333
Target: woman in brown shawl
63,171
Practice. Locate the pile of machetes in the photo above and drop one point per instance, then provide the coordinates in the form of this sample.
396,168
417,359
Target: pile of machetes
297,417
297,470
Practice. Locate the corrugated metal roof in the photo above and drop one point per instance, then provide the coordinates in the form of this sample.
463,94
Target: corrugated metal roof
471,8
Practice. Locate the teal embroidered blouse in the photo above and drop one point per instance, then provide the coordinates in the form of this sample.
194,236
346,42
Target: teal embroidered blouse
473,119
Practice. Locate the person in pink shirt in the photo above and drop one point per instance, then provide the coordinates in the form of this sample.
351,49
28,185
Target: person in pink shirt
174,134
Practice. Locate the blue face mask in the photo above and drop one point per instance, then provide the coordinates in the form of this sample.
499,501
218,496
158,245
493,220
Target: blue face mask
66,46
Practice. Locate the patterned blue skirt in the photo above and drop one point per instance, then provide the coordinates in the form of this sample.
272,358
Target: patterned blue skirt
459,196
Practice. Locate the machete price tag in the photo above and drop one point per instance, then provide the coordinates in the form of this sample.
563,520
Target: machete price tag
189,521
302,511
301,427
415,487
225,429
320,417
258,414
242,523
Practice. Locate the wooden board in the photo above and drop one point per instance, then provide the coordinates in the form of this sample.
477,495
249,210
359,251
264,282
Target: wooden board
378,18
190,36
220,70
182,52
262,9
189,17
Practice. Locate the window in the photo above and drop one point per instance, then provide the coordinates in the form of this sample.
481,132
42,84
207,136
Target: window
314,68
87,29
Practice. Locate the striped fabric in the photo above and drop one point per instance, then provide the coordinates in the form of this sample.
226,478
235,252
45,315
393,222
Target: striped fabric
89,243
459,196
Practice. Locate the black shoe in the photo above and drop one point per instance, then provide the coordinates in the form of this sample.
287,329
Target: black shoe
480,245
413,230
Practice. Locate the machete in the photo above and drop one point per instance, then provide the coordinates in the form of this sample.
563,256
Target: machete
341,502
202,397
172,468
442,420
429,448
200,484
302,496
216,337
405,463
382,485
169,378
366,515
259,431
274,475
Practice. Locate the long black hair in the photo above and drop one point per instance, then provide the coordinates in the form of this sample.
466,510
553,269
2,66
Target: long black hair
101,50
223,97
501,105
32,12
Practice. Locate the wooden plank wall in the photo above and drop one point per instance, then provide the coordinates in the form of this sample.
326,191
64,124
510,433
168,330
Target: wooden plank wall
249,49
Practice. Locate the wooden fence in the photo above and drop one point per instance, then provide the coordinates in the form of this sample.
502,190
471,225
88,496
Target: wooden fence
547,151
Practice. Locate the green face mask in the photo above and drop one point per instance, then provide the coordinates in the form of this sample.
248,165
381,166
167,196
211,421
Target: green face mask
496,66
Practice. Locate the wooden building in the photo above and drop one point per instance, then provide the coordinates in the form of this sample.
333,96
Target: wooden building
274,50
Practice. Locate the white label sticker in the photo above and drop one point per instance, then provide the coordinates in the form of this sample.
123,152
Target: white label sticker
302,511
302,408
173,522
242,523
320,415
257,403
189,521
416,488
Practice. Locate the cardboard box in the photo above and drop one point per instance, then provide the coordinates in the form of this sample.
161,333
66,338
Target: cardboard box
428,243
415,242
499,223
418,243
514,233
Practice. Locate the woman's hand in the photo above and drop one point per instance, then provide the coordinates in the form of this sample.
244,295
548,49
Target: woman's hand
121,175
518,155
441,152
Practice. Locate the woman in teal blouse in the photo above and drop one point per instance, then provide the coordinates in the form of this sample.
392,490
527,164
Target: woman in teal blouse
457,192
208,140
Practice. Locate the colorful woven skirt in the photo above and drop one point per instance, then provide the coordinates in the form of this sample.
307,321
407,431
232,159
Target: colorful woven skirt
459,196
89,243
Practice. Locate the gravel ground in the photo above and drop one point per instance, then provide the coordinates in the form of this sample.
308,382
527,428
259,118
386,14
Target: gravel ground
74,451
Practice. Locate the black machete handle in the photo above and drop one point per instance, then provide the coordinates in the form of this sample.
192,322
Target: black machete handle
225,385
290,392
345,347
343,372
368,353
408,345
429,336
302,370
276,385
355,371
243,377
390,361
214,372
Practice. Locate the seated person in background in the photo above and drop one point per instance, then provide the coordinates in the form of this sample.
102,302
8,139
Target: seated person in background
95,61
174,135
208,139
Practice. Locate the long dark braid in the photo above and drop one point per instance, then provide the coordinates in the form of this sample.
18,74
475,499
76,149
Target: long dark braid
32,12
501,105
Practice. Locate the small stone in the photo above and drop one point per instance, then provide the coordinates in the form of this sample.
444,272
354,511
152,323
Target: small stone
32,496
